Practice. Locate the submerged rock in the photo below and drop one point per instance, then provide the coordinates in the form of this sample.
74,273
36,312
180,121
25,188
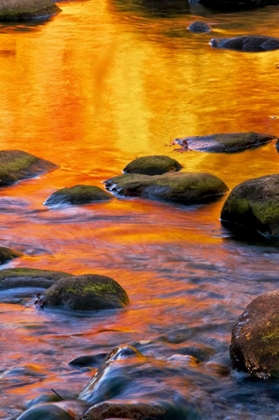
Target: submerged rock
252,206
79,194
15,10
247,43
255,337
225,143
16,165
152,165
29,277
187,188
234,5
7,254
199,27
64,410
87,292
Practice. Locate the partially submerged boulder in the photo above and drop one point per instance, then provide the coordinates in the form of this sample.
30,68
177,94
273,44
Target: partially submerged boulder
7,254
16,165
15,10
235,5
225,143
63,410
128,411
87,292
152,165
79,194
29,277
186,188
255,337
199,27
247,43
253,206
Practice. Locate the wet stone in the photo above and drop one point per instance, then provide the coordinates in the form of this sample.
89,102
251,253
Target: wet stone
77,195
199,27
249,43
29,277
152,165
13,10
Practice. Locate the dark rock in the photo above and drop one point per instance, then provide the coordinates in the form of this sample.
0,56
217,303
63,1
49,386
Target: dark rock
199,27
64,410
255,337
253,206
235,5
88,361
136,411
16,165
86,293
225,143
29,277
152,165
15,10
247,43
186,188
7,254
79,194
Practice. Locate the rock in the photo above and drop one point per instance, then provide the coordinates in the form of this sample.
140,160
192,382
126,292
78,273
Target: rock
88,292
135,411
247,43
186,188
255,337
7,254
64,410
234,5
152,165
225,143
29,277
88,361
199,27
16,165
15,10
252,206
79,194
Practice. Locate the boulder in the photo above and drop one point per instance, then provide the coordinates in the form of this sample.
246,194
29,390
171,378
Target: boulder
118,411
255,337
64,410
225,143
252,206
7,254
234,5
187,188
152,165
79,194
16,165
87,292
247,43
199,27
29,277
16,10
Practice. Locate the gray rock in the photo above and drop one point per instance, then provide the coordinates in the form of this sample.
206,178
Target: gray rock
79,194
152,165
29,277
64,410
199,27
252,206
16,165
255,337
224,143
247,43
15,10
187,188
87,292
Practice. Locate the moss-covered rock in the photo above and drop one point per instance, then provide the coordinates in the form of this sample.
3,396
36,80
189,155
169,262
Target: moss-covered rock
16,165
87,292
225,143
152,165
29,277
15,10
255,337
249,43
187,188
199,26
7,254
79,194
253,206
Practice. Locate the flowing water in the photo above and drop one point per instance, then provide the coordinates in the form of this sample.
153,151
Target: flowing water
98,85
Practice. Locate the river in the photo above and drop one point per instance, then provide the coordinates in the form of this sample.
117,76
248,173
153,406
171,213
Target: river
91,89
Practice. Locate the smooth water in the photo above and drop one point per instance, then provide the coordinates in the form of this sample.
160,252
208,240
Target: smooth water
91,89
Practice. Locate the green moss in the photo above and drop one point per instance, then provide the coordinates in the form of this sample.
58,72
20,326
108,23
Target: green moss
31,272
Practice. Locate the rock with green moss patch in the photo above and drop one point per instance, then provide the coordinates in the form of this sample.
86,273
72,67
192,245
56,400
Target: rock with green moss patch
16,165
255,337
224,143
87,292
79,194
152,165
7,254
253,206
16,10
29,277
187,188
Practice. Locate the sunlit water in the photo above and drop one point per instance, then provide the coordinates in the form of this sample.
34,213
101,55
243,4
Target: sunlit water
98,85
